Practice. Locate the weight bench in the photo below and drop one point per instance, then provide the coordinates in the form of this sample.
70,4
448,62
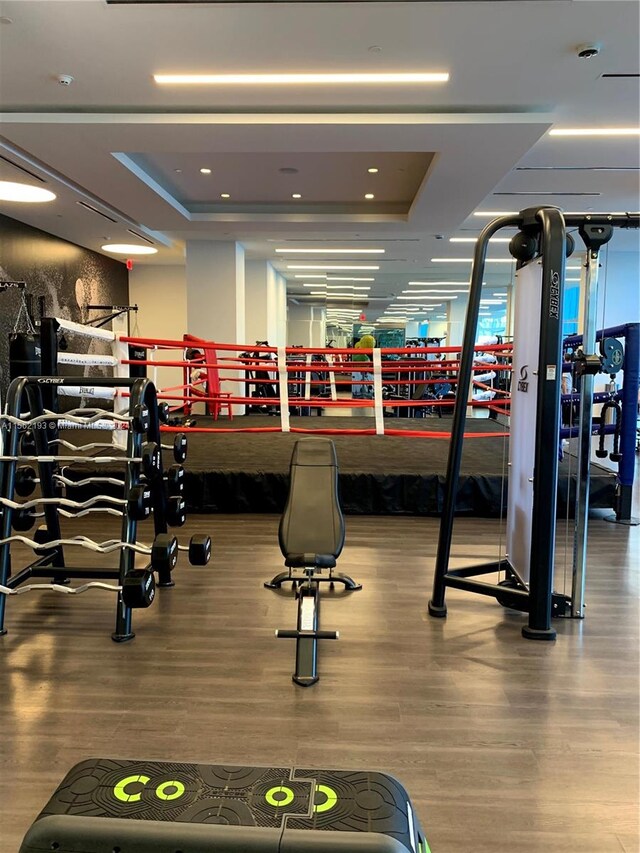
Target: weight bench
105,805
311,539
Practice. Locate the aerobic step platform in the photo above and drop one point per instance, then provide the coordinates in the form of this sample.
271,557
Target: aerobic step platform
103,806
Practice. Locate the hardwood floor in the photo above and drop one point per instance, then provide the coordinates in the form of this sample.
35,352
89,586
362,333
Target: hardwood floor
504,744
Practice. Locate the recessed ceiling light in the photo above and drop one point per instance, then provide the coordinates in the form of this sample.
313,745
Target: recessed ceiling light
372,170
343,278
492,301
430,283
296,195
178,171
205,171
304,275
225,195
12,191
369,195
433,290
331,251
128,249
330,267
298,79
425,298
470,260
595,131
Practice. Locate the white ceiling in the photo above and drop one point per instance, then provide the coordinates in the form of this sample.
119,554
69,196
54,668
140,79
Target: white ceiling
514,74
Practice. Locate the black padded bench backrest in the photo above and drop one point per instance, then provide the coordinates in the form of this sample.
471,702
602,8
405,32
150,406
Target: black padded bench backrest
312,526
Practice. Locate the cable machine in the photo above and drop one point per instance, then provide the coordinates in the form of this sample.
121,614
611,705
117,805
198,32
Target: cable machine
540,248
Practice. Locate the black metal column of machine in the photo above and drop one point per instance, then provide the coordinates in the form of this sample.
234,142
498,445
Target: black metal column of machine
542,233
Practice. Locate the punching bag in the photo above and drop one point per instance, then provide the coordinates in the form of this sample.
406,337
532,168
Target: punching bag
24,354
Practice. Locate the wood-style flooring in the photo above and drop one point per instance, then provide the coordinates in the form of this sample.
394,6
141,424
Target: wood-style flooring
504,744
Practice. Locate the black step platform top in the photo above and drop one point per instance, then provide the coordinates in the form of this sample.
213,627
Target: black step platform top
169,807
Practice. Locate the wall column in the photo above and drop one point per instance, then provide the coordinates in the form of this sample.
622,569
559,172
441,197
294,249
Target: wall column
299,324
265,295
319,327
216,297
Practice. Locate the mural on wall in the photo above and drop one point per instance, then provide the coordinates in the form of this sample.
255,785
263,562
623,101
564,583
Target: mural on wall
69,278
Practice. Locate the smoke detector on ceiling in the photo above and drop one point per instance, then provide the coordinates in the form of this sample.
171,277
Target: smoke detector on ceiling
65,79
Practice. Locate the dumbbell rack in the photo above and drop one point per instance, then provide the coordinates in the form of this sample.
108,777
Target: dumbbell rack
27,394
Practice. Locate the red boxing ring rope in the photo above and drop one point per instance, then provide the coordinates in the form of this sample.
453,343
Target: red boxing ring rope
289,372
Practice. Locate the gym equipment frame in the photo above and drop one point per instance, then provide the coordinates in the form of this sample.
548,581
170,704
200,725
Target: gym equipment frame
542,235
311,538
26,394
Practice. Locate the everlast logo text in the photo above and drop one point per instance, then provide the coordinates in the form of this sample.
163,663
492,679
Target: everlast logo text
554,296
523,383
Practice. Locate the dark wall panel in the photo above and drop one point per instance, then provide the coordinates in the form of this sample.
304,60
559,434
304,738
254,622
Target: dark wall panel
68,276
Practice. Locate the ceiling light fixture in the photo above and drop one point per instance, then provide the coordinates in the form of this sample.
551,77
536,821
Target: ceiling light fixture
595,131
435,290
330,251
372,170
425,298
205,171
342,278
299,79
12,191
128,249
369,196
304,275
296,195
327,267
225,195
455,283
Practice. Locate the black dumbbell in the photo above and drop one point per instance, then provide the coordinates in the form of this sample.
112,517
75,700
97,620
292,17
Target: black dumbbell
139,503
27,443
140,418
163,412
176,511
23,519
180,448
199,550
151,460
139,588
175,480
164,552
42,537
25,482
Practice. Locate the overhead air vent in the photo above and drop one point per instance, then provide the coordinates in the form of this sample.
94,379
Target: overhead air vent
95,210
577,168
546,193
140,236
22,169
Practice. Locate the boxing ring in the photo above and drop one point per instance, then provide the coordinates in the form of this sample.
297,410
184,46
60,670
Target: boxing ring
243,407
